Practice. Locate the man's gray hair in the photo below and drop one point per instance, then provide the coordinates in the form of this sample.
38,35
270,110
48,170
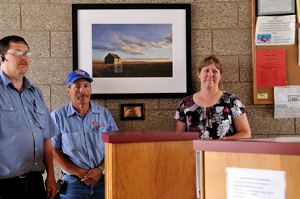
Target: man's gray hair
69,85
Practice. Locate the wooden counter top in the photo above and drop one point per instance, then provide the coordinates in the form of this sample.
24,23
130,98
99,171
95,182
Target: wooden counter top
147,136
279,145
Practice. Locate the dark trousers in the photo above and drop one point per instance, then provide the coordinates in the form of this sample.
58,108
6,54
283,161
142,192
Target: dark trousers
29,187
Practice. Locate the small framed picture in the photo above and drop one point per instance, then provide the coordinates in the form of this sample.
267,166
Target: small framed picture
132,112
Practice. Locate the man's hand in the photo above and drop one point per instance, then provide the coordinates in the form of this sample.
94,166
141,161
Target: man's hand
50,185
92,176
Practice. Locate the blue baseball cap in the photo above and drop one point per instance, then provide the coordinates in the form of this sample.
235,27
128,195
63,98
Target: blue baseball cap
76,74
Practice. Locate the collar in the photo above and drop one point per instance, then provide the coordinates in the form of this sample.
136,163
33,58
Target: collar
71,111
6,81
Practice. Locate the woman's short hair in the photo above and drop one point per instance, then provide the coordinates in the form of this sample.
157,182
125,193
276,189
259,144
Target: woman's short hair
208,60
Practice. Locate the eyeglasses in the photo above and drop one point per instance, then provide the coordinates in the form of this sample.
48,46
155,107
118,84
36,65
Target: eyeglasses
19,53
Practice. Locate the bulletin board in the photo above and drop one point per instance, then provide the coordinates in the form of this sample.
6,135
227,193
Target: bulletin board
265,95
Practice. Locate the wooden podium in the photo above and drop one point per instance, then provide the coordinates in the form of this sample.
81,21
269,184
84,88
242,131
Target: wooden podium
280,154
150,164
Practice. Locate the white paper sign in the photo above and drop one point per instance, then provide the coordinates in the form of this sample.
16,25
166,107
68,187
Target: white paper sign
287,101
255,184
275,30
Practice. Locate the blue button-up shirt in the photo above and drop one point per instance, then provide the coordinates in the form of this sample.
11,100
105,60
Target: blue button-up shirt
25,123
80,139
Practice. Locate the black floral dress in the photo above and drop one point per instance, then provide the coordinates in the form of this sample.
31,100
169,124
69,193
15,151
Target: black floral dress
215,121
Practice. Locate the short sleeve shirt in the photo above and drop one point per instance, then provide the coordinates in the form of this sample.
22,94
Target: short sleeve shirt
80,138
215,121
25,123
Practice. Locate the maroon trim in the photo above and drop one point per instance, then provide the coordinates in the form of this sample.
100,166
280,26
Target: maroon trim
247,146
147,136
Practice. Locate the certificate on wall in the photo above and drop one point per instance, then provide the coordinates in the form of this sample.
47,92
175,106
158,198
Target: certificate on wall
275,7
270,68
275,30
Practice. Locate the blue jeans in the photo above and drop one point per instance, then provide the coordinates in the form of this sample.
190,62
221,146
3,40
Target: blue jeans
79,190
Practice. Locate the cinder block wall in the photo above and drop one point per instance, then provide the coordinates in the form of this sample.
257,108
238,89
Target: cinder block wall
222,27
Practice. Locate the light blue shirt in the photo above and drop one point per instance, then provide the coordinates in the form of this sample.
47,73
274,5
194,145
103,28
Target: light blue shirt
25,123
80,139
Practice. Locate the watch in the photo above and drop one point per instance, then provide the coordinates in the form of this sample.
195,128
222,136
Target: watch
102,170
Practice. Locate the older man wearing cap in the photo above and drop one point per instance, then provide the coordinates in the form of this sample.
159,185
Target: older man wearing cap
78,149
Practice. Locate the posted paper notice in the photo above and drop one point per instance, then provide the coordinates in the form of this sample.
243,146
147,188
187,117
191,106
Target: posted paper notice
270,68
255,184
275,30
287,102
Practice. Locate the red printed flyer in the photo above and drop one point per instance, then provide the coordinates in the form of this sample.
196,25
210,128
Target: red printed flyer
270,68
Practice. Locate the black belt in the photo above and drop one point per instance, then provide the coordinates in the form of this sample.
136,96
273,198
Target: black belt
24,175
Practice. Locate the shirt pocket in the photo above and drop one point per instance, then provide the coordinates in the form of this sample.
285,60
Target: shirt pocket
99,129
40,116
71,143
97,136
11,116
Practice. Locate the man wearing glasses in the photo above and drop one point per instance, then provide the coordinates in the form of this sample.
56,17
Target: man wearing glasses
26,128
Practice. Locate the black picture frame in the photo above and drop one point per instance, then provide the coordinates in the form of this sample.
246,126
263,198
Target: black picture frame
179,15
132,112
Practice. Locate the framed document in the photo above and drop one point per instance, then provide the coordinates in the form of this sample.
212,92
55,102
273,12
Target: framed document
275,7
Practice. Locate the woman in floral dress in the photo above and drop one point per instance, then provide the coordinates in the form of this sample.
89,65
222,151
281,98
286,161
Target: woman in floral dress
214,113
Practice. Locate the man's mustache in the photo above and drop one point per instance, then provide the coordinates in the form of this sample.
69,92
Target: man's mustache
23,63
83,95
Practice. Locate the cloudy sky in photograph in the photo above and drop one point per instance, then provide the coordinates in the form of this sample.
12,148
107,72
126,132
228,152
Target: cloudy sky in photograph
132,42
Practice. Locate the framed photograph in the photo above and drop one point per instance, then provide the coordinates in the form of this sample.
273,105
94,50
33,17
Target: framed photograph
132,112
134,50
275,7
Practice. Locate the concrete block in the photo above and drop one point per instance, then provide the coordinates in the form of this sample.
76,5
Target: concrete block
232,42
59,96
246,68
10,17
52,17
61,44
49,71
201,42
262,122
46,94
214,15
245,15
156,120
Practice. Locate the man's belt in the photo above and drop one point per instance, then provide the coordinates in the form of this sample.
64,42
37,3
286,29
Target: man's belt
23,175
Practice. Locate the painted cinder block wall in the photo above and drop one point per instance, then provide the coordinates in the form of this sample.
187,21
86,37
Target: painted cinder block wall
222,27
